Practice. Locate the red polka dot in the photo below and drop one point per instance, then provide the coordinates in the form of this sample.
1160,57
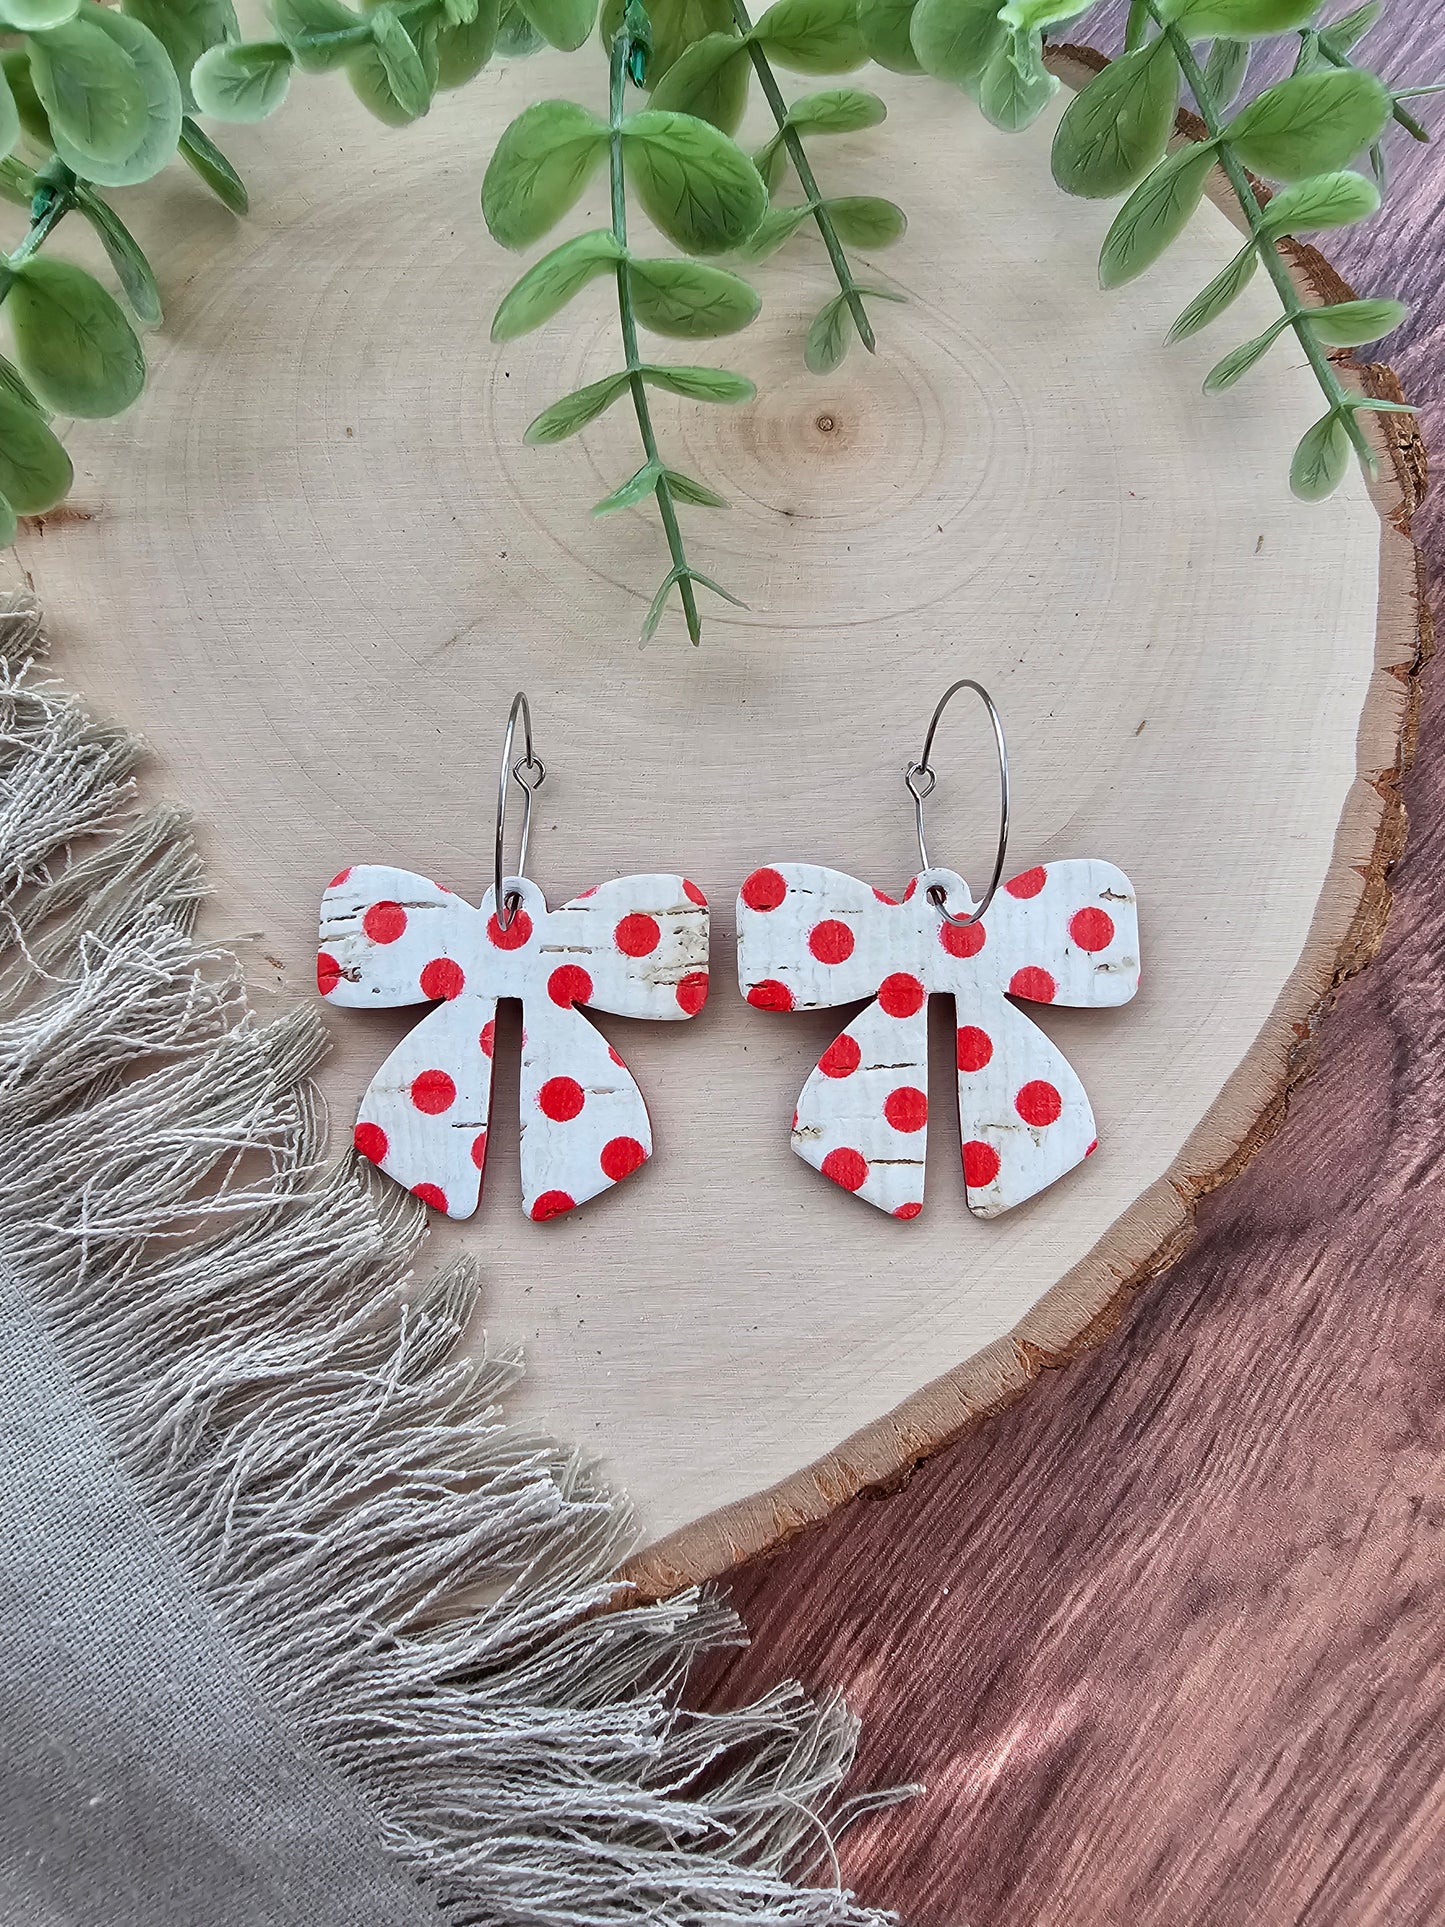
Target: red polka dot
1091,928
692,893
1093,1146
1035,984
1028,884
371,1141
442,978
841,1058
883,897
479,1149
431,1194
908,1211
569,984
615,1058
561,1098
621,1156
1038,1103
975,1047
900,995
912,886
552,1204
433,1092
846,1167
692,992
582,895
961,939
831,942
340,878
764,890
906,1109
980,1164
488,1038
328,973
770,995
384,922
517,932
637,935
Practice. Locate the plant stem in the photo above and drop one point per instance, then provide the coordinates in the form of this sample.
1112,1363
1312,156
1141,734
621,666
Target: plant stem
662,489
1296,313
1337,58
802,167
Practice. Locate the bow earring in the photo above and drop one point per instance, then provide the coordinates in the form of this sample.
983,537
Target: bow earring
636,947
1060,933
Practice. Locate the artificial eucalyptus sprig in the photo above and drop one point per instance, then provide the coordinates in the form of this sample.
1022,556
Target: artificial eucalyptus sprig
704,194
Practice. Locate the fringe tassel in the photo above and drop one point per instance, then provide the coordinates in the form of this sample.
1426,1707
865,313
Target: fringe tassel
421,1586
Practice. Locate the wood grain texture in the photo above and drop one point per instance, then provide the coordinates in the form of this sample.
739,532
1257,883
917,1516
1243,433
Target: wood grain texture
1164,1639
320,555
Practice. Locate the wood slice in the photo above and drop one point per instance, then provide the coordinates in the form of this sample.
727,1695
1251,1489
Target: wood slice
316,561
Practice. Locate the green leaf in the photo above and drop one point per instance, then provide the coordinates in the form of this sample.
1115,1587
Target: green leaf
463,50
632,491
1344,32
1310,123
1155,214
1225,71
1321,201
1349,324
34,121
659,601
813,36
186,28
132,269
1015,86
1321,459
1225,373
1032,16
546,288
773,230
74,346
676,25
35,471
25,16
7,523
543,162
837,110
156,128
574,411
697,186
321,34
955,39
886,26
91,92
700,384
12,384
710,80
201,153
866,220
1115,131
244,81
1239,19
370,78
828,336
690,299
697,495
771,161
401,63
1212,301
17,184
561,23
517,38
9,117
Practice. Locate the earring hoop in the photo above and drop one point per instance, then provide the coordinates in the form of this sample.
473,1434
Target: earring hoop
920,781
507,907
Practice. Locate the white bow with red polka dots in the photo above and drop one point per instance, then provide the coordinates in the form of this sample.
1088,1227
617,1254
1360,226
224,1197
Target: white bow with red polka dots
1065,933
636,947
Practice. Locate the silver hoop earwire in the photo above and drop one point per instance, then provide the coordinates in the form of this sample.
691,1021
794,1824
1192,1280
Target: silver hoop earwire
913,780
507,907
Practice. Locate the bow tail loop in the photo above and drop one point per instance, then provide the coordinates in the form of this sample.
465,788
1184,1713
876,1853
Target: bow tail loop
862,1118
584,1123
424,1117
1024,1115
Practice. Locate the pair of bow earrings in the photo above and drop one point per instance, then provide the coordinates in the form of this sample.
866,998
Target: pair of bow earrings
808,938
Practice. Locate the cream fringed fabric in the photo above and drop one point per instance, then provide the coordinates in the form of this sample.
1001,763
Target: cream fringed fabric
247,1479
